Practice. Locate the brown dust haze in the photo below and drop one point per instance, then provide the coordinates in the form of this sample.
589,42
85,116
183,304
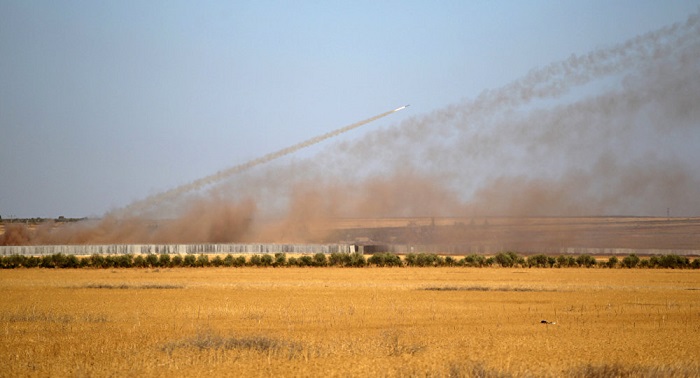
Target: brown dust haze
611,132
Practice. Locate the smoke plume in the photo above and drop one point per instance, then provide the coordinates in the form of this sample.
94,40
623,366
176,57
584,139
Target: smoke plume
611,132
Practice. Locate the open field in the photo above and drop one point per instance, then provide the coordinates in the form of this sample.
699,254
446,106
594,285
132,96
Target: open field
349,322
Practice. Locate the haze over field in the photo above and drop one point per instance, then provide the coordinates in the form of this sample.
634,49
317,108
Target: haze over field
609,131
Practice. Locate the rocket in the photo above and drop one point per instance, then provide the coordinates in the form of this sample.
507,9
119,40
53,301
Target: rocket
402,108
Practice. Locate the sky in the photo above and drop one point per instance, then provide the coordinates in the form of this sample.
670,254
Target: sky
106,103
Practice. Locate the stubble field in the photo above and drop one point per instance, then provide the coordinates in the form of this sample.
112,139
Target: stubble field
349,322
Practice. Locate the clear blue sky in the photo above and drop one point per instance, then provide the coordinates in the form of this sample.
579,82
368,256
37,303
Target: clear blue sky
106,102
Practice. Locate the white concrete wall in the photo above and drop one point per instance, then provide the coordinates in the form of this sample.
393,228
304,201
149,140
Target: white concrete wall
136,249
459,250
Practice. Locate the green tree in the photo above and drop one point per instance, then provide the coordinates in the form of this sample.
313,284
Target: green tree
189,260
411,259
202,261
152,260
504,259
538,261
586,261
216,261
474,260
320,259
255,260
357,259
280,259
630,261
176,261
139,261
266,260
164,260
305,260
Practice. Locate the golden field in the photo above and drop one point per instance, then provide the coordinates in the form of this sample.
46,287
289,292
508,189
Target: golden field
349,322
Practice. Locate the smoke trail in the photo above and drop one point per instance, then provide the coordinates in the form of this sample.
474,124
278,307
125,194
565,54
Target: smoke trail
550,81
156,199
497,154
628,149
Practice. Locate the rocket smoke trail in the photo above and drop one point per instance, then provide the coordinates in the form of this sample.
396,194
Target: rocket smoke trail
609,132
623,149
156,199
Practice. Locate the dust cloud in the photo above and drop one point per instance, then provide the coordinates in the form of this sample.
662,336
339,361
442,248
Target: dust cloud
611,132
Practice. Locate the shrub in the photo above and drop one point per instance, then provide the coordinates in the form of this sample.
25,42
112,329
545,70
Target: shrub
450,261
320,259
280,259
674,262
228,260
27,262
695,264
239,261
293,261
376,259
429,259
504,259
411,259
255,260
562,261
630,261
339,259
189,260
439,261
566,261
176,261
164,260
85,262
654,261
58,260
357,259
139,262
152,260
111,261
385,259
586,260
538,261
613,261
217,261
202,261
513,256
47,262
33,262
12,261
124,261
266,260
71,262
391,259
305,261
64,261
644,263
474,260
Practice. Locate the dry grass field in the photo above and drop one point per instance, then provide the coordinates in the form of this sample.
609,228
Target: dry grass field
349,322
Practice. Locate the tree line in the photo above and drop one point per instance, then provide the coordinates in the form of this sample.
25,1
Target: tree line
385,259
